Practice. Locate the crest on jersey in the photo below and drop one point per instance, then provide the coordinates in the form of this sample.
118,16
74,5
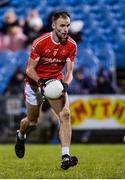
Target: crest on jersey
55,52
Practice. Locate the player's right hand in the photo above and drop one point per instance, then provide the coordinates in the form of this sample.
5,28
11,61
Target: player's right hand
41,83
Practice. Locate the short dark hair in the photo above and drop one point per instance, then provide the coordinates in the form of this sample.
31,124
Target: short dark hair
56,15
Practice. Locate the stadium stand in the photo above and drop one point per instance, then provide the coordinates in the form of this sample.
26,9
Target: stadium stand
8,65
103,32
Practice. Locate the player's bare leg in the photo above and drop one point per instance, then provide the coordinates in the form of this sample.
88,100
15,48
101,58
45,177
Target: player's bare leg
61,107
62,110
26,125
31,119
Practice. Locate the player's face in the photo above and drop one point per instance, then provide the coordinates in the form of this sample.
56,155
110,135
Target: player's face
61,28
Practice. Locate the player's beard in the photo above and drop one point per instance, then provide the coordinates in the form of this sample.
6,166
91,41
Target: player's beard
61,38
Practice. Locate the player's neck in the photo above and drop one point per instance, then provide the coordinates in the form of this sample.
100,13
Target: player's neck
55,39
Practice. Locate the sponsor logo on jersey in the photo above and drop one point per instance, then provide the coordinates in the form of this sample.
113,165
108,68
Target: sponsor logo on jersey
52,60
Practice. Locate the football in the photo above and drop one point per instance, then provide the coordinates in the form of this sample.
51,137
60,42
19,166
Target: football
53,89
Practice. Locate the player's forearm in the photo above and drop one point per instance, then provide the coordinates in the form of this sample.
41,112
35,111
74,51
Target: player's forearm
32,74
68,78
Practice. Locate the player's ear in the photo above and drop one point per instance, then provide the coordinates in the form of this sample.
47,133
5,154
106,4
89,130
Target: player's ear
53,25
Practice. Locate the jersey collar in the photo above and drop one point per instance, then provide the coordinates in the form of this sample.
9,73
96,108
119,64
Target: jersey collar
53,40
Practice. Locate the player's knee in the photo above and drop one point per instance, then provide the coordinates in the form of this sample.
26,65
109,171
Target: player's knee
33,119
65,115
29,121
33,123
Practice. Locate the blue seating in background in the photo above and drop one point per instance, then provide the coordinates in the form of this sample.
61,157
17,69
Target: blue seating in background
91,2
110,2
106,57
53,3
87,60
72,2
22,57
8,68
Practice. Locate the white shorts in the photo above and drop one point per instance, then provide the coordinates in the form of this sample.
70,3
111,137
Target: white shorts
32,95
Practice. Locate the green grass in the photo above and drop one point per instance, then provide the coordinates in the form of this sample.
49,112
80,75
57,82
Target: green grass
43,161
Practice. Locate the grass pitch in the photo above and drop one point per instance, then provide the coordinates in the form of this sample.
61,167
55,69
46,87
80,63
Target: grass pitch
43,162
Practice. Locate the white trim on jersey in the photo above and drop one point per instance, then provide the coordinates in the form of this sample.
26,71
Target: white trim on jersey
53,40
38,40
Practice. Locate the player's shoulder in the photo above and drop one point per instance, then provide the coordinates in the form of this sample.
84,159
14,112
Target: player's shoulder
71,41
42,38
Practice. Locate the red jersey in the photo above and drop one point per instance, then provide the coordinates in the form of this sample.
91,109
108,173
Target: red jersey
52,56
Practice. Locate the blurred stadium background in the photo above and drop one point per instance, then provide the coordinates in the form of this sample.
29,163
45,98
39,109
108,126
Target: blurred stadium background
97,92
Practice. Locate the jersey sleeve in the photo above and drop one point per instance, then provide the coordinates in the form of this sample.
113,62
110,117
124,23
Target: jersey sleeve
73,53
35,53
